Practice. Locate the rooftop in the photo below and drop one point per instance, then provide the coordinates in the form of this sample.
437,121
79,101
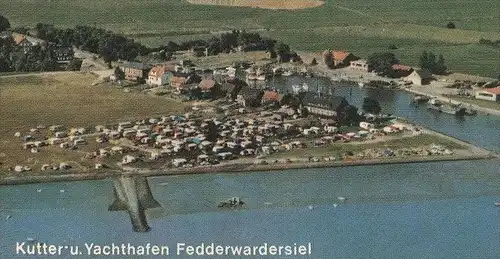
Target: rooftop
332,102
495,90
136,65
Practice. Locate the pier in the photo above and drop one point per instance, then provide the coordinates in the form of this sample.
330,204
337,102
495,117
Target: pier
132,194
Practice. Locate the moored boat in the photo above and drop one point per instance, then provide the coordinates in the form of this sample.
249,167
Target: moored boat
454,109
252,76
287,73
261,77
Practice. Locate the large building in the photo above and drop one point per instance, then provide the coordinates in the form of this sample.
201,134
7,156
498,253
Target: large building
250,97
328,106
27,42
342,58
160,75
489,94
135,71
62,54
361,65
420,77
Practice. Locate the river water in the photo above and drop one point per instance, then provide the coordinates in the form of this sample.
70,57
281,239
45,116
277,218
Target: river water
428,210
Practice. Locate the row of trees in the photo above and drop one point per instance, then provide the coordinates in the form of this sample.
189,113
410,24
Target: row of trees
236,39
382,63
434,64
495,44
109,45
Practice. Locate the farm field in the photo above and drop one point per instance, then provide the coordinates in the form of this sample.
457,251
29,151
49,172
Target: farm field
362,27
67,99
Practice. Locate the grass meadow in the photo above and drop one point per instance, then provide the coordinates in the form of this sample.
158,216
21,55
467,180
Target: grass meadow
360,26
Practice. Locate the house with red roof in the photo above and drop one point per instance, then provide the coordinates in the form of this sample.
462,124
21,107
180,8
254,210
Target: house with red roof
401,70
271,97
342,58
489,94
160,75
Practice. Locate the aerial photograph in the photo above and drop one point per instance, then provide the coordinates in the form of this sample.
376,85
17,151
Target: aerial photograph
250,129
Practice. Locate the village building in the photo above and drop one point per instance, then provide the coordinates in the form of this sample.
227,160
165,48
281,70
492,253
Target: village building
489,94
27,42
401,70
159,75
135,71
342,58
271,97
249,97
179,81
208,86
328,106
419,77
62,54
6,34
198,51
360,65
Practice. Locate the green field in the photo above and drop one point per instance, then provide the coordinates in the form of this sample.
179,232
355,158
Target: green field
360,26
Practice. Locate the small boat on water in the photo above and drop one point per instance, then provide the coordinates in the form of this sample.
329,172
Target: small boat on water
361,84
341,198
233,202
497,203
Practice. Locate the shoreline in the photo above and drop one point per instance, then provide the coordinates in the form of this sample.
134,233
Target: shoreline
235,168
354,76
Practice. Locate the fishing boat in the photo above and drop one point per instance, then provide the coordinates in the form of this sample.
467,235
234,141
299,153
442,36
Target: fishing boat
231,203
261,77
454,109
420,99
252,76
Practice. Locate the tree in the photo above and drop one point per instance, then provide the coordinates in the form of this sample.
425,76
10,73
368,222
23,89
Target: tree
392,46
440,68
314,62
371,106
119,74
348,115
4,23
382,62
283,52
428,61
74,65
327,58
450,25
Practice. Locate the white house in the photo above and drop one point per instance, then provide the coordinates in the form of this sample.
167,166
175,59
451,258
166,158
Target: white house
159,75
419,77
489,94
